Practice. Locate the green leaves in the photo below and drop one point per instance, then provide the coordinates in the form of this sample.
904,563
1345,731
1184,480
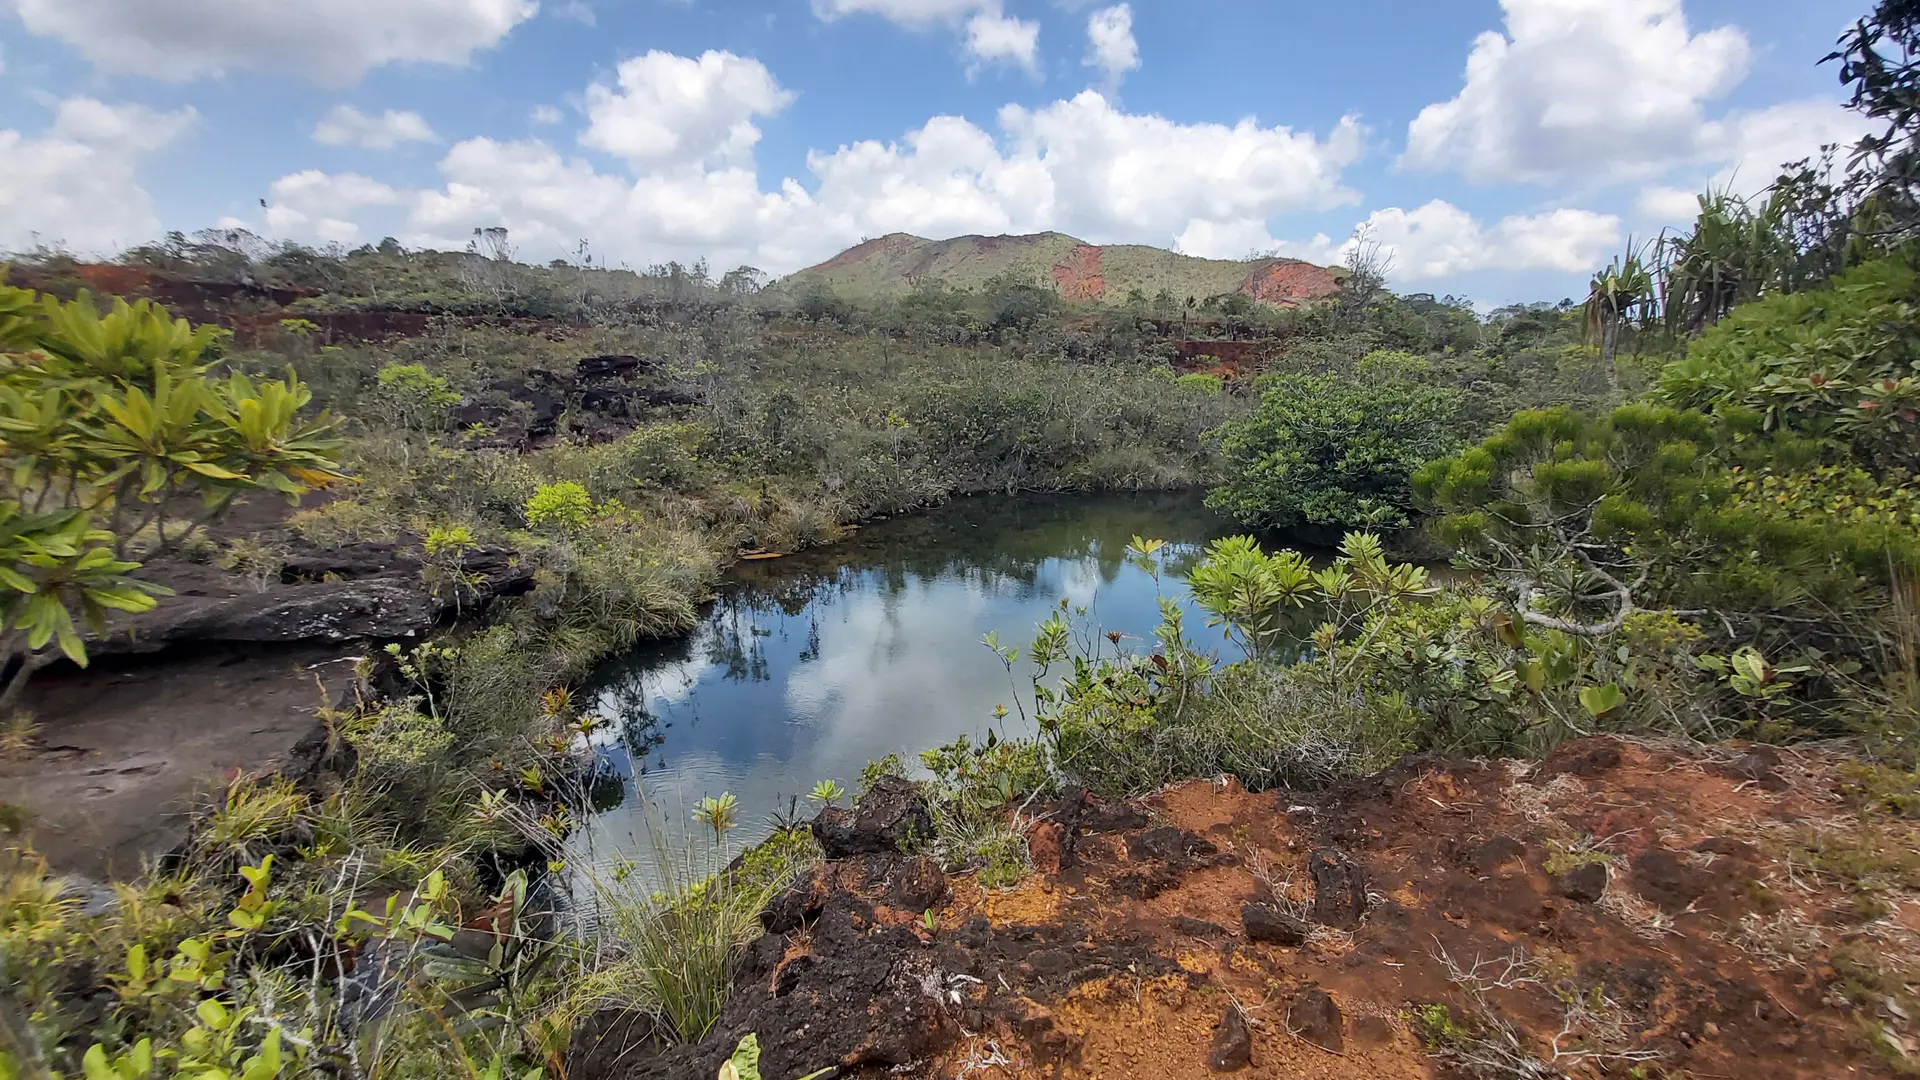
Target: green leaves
107,419
1602,701
1336,449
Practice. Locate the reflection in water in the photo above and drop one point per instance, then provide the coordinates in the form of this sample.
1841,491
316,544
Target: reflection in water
808,667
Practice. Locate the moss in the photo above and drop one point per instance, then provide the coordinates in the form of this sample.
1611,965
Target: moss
1875,787
1562,859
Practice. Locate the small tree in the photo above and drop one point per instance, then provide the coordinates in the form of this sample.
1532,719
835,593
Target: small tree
1616,294
108,423
1337,449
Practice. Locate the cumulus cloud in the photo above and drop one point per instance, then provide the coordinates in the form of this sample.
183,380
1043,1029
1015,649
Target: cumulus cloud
1111,46
1581,89
345,125
988,34
1743,152
1439,239
77,184
315,205
334,42
684,129
545,114
995,38
667,108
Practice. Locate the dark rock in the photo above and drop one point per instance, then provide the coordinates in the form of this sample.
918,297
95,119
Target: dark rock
1097,815
1586,883
603,1038
1232,1043
892,816
1670,884
794,908
1495,854
1271,926
1315,1017
377,608
974,933
918,884
1176,847
611,367
1339,889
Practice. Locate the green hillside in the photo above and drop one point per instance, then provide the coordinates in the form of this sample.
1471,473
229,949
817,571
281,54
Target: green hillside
892,265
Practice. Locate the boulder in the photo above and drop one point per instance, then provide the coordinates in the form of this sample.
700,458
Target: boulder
1271,926
1315,1017
1232,1043
1339,889
891,816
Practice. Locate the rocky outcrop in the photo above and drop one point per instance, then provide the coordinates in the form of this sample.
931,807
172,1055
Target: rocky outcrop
891,816
603,397
358,592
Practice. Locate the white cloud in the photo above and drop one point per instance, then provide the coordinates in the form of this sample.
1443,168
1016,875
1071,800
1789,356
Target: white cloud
994,38
345,125
315,205
1751,146
1600,90
674,109
1439,239
78,183
579,11
988,34
1667,204
686,187
1743,152
545,114
1111,45
333,42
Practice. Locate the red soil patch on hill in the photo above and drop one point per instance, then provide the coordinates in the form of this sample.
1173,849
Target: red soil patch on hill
1079,277
1287,282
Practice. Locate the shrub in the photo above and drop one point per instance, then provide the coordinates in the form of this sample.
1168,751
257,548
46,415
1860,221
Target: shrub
564,505
1336,450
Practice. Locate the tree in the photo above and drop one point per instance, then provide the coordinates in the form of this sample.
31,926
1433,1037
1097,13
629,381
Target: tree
1616,294
1337,449
108,424
1880,63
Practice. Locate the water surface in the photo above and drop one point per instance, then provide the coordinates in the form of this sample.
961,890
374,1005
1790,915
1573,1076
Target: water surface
807,667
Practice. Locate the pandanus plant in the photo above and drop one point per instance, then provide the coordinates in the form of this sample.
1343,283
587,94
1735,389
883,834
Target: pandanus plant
1617,293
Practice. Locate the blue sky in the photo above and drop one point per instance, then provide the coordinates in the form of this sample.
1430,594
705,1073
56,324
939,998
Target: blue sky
1498,150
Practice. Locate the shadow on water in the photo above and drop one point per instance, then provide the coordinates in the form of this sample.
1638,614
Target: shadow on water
806,667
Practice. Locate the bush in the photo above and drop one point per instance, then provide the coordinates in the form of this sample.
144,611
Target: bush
564,505
1337,450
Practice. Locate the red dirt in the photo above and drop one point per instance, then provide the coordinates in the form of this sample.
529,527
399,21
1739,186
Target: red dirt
1288,281
1079,277
1126,962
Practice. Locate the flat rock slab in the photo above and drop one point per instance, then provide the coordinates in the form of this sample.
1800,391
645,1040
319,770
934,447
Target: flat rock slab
123,749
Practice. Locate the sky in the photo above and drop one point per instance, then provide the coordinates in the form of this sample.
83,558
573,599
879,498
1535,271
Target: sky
1499,151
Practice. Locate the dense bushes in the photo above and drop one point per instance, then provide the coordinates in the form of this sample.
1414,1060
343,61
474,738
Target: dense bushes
1337,449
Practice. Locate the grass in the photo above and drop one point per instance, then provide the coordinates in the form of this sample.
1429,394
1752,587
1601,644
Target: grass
667,951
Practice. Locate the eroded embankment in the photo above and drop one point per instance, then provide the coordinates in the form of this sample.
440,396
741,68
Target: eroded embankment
1622,906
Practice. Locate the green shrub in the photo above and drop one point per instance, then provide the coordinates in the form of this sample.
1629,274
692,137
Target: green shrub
563,505
1337,449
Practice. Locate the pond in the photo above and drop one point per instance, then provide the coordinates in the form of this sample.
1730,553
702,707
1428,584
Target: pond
809,666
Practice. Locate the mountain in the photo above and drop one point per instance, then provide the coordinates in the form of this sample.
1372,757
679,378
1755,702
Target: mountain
891,265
